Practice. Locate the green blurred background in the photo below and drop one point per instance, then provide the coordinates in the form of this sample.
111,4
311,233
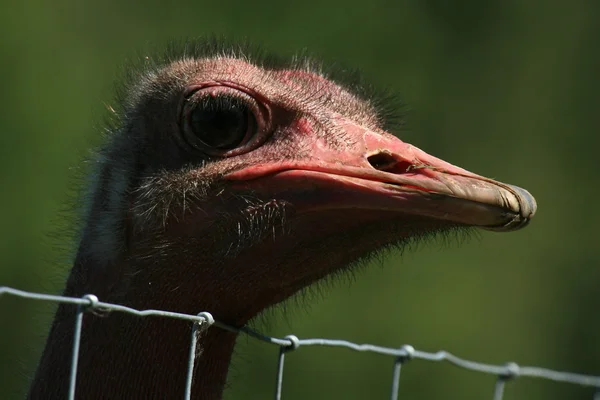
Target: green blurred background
505,88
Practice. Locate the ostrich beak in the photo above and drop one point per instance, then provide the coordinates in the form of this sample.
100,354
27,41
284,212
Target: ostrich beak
380,172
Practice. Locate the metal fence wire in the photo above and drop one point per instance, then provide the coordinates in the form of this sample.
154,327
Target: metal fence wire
289,343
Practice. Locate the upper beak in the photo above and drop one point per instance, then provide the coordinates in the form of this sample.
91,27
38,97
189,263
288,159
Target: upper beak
379,171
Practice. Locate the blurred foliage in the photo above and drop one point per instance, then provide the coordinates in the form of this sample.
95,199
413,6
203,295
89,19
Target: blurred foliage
504,88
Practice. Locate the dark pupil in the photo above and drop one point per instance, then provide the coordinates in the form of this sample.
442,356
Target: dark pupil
220,122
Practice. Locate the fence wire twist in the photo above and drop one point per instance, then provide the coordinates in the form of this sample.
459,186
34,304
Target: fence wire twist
289,343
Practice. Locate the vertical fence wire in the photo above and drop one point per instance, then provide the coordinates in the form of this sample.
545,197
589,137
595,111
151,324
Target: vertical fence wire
191,361
292,343
408,353
512,371
75,354
279,378
396,378
81,309
196,326
499,388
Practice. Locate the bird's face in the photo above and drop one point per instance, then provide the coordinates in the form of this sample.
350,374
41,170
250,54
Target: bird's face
291,165
292,136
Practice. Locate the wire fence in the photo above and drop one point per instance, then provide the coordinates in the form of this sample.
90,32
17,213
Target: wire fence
289,343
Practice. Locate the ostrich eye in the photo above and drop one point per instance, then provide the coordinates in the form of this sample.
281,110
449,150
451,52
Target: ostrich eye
219,122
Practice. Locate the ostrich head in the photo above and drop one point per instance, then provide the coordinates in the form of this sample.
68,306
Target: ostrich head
229,184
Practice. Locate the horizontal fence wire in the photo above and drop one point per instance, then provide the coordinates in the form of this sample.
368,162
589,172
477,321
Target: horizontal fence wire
289,343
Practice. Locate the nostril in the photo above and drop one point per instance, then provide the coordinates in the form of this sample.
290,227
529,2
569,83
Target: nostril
384,161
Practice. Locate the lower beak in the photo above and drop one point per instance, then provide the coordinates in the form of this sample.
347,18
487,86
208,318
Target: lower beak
381,172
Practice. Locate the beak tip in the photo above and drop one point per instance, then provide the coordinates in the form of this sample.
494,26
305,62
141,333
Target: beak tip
528,205
527,209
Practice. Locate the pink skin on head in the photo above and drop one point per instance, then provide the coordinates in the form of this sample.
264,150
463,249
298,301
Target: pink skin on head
379,171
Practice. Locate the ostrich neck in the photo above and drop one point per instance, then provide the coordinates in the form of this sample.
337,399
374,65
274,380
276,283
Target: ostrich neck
127,357
123,356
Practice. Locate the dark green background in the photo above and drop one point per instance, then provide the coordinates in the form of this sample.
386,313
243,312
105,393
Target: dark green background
508,89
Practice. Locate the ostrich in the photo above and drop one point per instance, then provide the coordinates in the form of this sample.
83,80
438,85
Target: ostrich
227,184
